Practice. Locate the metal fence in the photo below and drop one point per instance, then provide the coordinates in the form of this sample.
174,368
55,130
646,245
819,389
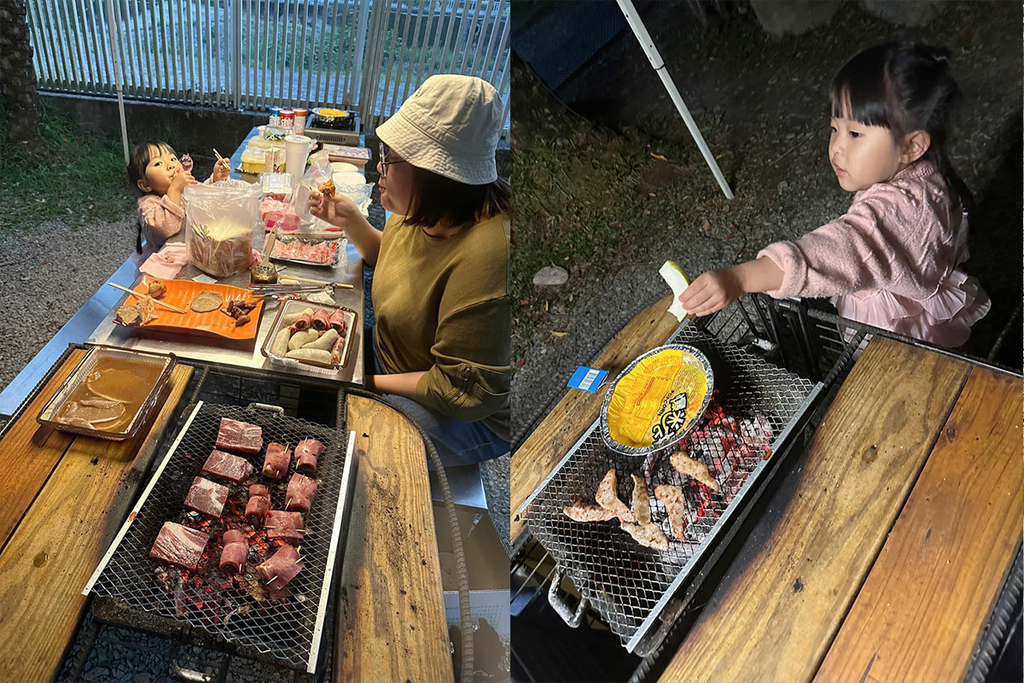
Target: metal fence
253,54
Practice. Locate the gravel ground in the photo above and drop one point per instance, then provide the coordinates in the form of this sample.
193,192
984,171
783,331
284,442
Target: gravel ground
761,105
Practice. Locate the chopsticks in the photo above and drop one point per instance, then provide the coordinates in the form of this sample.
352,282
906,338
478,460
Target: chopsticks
219,157
296,278
156,301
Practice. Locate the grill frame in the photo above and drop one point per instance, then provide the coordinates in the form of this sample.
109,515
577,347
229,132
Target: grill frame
308,594
589,459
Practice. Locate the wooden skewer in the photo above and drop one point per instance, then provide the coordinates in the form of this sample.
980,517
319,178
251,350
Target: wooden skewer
296,278
137,295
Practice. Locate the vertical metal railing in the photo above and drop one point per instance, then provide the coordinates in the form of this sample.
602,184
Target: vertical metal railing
253,54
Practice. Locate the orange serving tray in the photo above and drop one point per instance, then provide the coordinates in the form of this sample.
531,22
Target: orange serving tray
216,323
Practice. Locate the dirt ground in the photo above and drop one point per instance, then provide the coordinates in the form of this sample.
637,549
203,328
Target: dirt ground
592,194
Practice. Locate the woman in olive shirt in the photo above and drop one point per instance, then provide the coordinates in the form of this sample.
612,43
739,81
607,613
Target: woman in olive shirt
441,276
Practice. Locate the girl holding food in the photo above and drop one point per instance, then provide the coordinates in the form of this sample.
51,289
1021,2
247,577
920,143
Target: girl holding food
441,277
155,170
892,260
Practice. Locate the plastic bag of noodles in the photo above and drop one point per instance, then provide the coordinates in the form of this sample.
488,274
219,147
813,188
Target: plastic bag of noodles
222,226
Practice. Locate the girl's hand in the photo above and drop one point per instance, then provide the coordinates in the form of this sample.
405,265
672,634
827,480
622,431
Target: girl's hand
712,291
181,179
339,210
221,170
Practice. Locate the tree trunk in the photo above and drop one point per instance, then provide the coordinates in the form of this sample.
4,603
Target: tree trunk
17,76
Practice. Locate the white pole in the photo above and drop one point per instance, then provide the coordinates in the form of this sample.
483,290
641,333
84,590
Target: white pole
115,50
640,31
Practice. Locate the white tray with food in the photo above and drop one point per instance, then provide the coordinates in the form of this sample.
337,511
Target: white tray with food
316,337
310,251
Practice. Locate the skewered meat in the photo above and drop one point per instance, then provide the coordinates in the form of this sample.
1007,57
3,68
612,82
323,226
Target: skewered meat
235,536
328,189
285,525
281,567
179,545
608,498
299,495
258,490
695,469
276,461
641,501
256,509
588,512
675,505
207,497
227,466
233,556
649,535
239,436
306,454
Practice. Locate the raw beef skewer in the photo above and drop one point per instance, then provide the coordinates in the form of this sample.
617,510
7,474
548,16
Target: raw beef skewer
306,454
276,461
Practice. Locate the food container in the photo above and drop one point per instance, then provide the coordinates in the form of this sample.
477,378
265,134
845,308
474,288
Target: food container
299,122
133,381
357,156
344,167
297,306
253,160
309,251
276,185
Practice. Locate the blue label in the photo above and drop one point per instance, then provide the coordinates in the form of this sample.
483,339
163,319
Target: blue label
587,379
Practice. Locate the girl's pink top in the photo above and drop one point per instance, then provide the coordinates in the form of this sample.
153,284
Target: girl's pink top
161,220
891,261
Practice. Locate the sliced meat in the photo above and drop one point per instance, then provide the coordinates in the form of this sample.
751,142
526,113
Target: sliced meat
694,469
233,557
306,454
276,461
227,466
649,535
321,319
179,545
588,512
258,490
285,525
303,323
239,436
675,505
281,567
93,414
299,495
235,536
338,320
608,498
256,510
641,501
207,497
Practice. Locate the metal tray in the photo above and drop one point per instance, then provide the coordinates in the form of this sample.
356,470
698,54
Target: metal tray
288,625
295,306
48,415
287,237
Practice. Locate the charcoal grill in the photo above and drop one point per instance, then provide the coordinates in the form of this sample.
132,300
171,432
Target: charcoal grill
630,585
288,624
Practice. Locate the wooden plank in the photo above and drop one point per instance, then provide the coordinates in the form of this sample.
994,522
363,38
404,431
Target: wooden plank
60,542
920,614
390,621
776,618
28,452
552,439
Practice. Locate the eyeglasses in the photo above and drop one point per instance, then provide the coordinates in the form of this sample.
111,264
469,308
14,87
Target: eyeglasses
385,162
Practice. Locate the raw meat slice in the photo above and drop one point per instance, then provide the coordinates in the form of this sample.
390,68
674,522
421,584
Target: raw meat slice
256,509
258,490
281,567
233,556
306,454
227,466
276,461
235,536
179,545
608,498
299,495
285,525
207,497
239,436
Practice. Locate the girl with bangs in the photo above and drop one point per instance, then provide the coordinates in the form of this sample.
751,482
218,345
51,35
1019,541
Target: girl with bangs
892,260
440,346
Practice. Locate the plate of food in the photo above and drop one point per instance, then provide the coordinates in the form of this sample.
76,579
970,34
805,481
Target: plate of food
315,335
203,309
657,399
308,251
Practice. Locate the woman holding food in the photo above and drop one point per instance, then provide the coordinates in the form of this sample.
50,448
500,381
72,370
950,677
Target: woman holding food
441,277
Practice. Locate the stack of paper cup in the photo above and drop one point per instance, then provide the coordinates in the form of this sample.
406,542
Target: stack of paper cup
296,149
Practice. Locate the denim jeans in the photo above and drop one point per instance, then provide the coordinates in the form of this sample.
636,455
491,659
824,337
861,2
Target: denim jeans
457,442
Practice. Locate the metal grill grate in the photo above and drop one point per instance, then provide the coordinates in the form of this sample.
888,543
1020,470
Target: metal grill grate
285,623
628,584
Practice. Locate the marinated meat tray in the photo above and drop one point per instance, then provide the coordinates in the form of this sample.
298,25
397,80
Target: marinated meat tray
218,544
628,569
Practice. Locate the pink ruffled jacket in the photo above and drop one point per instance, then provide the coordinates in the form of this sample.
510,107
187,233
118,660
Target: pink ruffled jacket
161,220
891,261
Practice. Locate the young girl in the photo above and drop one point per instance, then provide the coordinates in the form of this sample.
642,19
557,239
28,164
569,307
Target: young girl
891,261
155,170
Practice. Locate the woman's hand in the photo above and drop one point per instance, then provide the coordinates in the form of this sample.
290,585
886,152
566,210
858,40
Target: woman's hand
221,170
338,210
712,291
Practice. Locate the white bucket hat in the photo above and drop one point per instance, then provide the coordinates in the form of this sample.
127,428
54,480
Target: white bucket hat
450,126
